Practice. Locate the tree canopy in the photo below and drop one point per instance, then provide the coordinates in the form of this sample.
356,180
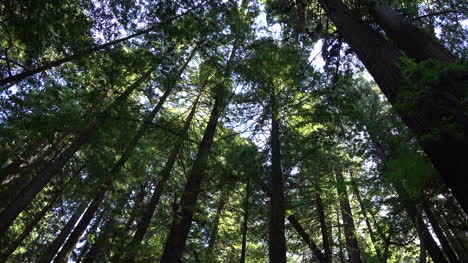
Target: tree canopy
234,131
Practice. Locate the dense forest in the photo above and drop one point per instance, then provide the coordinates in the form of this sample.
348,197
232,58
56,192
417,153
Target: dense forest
234,131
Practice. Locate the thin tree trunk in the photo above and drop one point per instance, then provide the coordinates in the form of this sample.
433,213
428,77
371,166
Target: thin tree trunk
340,244
99,248
368,223
457,244
19,177
41,179
76,234
354,254
382,60
78,55
52,249
29,227
164,175
422,253
175,242
136,209
277,241
323,228
210,256
440,235
306,238
425,236
92,231
25,158
245,221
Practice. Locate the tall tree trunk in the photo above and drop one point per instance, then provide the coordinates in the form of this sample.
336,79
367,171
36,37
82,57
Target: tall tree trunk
340,243
368,223
25,158
423,232
76,234
422,253
82,54
354,254
30,226
440,235
175,242
137,207
164,175
99,248
92,231
306,238
382,60
209,255
41,179
245,221
458,244
415,42
52,249
324,229
277,241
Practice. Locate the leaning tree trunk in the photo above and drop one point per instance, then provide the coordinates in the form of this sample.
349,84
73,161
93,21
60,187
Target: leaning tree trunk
76,234
440,235
383,61
175,242
82,54
423,232
30,226
41,179
368,223
223,198
354,254
306,238
148,211
52,249
415,42
323,228
277,241
92,231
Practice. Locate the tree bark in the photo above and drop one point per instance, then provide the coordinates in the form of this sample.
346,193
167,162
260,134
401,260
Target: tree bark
99,248
175,242
210,256
245,221
84,250
340,244
76,234
423,232
164,175
78,55
440,235
324,229
457,243
41,179
29,228
354,255
422,253
306,238
62,236
277,241
412,40
368,223
382,60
